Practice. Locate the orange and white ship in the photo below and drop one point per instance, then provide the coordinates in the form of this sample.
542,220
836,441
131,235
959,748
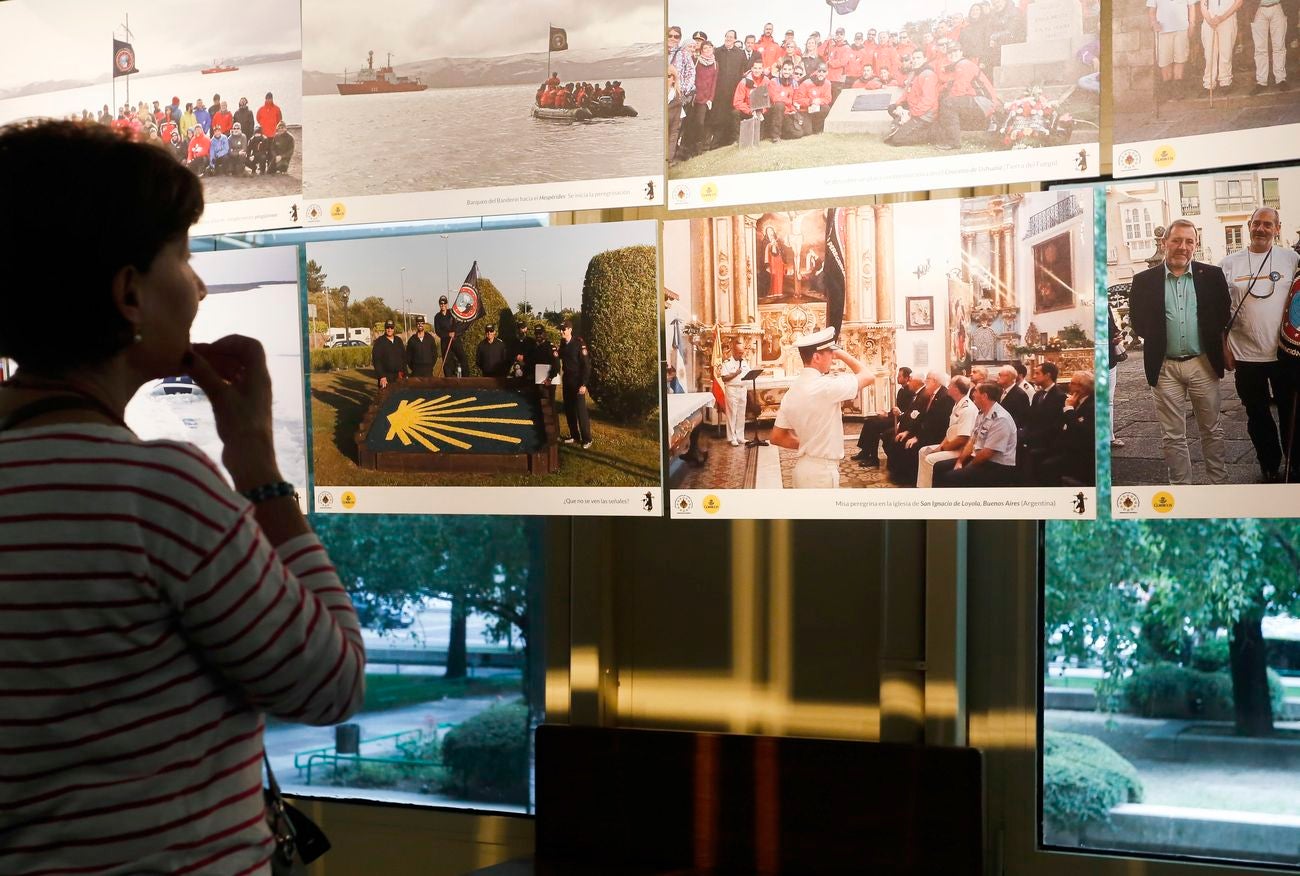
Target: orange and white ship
381,81
219,68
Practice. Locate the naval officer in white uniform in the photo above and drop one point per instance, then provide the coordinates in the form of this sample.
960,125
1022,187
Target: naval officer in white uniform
810,419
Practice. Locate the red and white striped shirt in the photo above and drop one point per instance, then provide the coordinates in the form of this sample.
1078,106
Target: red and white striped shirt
145,625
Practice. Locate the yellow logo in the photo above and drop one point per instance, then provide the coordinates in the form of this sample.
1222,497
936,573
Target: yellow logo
712,504
709,192
428,421
349,500
1163,502
1164,156
338,211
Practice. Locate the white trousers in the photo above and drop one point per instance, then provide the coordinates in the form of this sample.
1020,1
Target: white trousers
736,413
815,473
1269,26
1179,383
1219,57
926,460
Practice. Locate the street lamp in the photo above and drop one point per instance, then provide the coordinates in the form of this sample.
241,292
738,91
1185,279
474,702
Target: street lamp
345,293
561,288
406,320
524,271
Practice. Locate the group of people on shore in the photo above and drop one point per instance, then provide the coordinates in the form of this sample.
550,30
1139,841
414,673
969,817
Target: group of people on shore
938,76
209,139
552,94
1011,427
1214,31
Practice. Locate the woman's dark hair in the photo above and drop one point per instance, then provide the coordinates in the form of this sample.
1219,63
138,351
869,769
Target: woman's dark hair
81,202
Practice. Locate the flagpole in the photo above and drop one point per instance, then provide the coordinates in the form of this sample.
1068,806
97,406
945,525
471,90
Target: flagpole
127,28
548,51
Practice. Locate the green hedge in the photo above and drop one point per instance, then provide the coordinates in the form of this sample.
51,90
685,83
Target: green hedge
1083,779
486,756
620,308
1166,690
340,358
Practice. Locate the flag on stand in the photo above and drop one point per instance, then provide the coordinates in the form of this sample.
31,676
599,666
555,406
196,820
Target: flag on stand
834,274
467,306
559,39
123,59
719,394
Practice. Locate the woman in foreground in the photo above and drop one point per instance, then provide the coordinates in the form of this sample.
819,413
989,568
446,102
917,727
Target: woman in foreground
149,614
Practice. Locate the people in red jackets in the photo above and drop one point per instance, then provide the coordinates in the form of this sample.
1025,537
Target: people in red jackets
769,48
968,101
817,99
223,118
921,100
857,60
785,119
887,57
740,100
269,115
868,81
837,59
196,157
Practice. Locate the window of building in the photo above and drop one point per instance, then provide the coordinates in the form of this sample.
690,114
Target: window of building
1272,197
1233,195
1232,237
1189,196
1139,229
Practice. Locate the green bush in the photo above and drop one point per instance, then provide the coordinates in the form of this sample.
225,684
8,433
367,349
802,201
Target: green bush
1165,690
340,358
1083,779
1210,655
486,756
620,307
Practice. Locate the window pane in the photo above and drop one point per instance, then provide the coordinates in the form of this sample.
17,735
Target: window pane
1172,688
451,698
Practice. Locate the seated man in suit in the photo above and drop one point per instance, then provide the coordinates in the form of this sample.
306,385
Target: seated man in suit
1180,309
1042,432
1073,463
926,430
882,424
961,425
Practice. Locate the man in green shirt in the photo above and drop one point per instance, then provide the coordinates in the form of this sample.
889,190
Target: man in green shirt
1180,309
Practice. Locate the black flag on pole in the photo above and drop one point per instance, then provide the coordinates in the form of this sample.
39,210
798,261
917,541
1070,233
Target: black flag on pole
123,59
843,7
559,40
834,273
467,305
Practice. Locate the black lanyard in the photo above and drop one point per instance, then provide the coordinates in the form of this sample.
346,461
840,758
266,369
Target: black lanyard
1254,276
50,405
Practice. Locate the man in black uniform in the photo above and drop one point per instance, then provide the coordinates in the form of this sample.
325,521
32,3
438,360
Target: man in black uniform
491,356
576,363
877,425
453,351
540,353
519,351
387,356
421,351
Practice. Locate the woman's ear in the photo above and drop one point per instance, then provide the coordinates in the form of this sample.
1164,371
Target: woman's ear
126,294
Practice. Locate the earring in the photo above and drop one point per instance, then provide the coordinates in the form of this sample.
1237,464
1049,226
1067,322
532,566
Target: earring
136,337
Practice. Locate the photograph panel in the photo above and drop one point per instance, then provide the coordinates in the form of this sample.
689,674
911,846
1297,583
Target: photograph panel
1202,293
470,107
1200,85
250,292
532,386
977,332
224,98
765,97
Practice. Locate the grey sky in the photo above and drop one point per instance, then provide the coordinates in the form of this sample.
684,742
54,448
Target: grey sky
552,256
72,39
716,17
338,33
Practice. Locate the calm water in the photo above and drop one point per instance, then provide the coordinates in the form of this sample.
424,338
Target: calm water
281,78
457,138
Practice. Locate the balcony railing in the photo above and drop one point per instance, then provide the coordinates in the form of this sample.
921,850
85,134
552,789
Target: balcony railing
1191,206
1045,220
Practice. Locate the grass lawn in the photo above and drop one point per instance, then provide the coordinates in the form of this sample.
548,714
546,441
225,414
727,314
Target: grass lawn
622,455
395,691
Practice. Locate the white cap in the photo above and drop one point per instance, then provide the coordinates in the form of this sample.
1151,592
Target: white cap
818,340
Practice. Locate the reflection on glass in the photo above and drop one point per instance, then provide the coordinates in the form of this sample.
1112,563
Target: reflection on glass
450,708
1171,690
